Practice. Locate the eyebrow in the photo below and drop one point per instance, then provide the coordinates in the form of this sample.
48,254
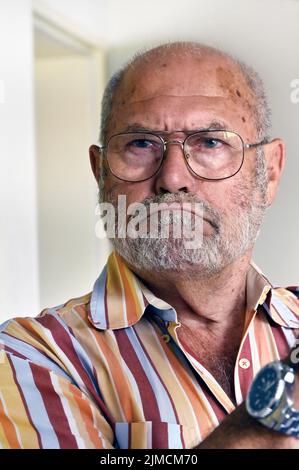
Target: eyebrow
136,127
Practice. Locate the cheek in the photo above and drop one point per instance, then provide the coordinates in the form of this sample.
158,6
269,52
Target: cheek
229,196
134,192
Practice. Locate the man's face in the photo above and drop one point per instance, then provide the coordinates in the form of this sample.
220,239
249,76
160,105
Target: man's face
186,94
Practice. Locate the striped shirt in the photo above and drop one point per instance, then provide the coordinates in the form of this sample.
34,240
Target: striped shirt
107,370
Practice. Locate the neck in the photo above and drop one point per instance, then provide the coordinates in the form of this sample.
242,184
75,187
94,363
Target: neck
217,302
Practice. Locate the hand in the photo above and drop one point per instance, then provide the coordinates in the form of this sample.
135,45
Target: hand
240,431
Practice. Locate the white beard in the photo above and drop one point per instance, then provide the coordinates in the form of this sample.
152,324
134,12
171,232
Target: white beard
217,250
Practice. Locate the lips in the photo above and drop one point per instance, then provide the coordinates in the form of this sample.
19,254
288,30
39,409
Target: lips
193,208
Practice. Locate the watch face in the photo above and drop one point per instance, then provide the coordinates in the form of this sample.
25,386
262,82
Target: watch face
263,392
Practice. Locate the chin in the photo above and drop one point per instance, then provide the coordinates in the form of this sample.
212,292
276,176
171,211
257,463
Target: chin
162,256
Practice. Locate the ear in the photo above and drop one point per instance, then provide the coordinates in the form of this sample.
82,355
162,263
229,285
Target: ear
95,155
275,159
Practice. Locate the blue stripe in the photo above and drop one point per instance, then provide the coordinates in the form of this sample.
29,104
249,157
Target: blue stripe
284,311
4,325
97,301
32,354
81,353
35,404
174,436
122,435
163,401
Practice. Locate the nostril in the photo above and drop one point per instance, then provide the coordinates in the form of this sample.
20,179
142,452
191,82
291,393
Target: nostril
163,191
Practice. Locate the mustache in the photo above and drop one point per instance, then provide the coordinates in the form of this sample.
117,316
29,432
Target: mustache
180,197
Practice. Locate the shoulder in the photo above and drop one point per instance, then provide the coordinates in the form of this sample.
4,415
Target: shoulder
53,330
283,306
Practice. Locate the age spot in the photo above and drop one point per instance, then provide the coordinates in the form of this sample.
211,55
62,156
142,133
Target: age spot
238,93
243,119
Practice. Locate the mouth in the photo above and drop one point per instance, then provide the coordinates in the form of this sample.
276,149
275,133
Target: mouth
194,208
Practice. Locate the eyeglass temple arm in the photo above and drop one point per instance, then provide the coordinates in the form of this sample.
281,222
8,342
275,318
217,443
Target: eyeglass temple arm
263,142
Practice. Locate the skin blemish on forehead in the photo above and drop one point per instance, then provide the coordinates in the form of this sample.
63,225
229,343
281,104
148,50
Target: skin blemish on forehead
226,80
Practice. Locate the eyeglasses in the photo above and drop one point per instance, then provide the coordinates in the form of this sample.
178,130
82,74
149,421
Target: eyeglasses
213,154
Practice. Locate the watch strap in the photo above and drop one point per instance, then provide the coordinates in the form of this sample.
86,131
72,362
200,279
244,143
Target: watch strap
290,423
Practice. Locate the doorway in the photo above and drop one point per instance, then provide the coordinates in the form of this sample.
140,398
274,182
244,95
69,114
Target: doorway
69,76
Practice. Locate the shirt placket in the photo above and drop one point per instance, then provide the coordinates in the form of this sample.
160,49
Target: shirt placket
209,380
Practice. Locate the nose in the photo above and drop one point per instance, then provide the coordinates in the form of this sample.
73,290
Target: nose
174,174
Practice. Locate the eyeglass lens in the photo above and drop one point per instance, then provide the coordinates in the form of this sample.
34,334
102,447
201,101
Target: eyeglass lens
209,154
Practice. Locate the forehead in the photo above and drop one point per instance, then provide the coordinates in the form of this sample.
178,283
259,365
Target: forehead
182,74
210,81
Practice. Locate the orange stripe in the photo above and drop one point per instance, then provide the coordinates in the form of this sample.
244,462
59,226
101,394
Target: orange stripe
121,385
202,415
9,430
264,340
87,417
132,304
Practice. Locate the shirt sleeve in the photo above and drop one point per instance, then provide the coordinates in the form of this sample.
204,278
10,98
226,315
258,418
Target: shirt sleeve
42,409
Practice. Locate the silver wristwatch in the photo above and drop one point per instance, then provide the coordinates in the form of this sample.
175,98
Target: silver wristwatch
270,401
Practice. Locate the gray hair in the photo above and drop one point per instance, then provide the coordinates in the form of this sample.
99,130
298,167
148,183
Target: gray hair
255,83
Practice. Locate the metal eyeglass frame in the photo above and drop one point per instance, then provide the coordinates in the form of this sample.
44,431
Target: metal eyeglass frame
182,144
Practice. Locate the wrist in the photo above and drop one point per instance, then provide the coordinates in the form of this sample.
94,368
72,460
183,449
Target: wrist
240,431
271,399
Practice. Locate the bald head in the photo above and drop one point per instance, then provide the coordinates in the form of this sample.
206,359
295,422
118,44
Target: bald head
186,67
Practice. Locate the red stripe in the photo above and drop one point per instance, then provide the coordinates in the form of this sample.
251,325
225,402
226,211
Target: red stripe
217,407
54,408
149,403
160,435
63,341
129,442
15,353
182,438
145,301
245,375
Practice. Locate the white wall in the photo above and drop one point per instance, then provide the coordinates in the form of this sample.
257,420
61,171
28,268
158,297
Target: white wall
85,18
18,222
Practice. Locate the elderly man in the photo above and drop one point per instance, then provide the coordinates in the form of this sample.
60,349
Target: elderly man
164,353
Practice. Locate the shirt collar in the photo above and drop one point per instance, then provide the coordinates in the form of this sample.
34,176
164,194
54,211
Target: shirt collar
257,287
119,298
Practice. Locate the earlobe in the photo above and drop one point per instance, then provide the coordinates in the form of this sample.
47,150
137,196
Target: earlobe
95,160
275,160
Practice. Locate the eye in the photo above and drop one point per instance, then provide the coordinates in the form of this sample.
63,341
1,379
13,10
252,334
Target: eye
141,144
210,143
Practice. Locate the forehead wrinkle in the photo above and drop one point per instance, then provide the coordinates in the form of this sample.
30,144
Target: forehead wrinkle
138,127
168,95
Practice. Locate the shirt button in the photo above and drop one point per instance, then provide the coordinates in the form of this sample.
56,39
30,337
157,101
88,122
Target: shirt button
166,338
244,363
